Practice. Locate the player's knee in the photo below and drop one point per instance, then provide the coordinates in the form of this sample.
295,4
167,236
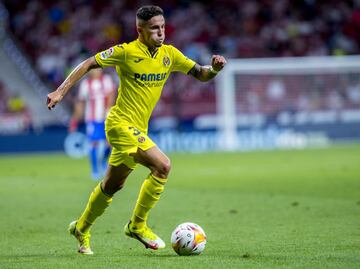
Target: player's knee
163,169
167,167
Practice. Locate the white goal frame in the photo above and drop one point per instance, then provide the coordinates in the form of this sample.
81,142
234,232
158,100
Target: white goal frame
226,87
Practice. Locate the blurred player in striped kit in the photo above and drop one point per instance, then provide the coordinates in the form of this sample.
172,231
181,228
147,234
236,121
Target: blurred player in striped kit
95,97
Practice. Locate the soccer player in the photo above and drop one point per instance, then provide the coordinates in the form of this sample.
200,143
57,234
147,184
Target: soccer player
143,66
95,97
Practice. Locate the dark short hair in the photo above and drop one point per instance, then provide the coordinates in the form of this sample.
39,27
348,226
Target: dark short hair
145,13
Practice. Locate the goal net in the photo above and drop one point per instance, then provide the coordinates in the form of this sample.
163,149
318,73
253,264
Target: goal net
286,102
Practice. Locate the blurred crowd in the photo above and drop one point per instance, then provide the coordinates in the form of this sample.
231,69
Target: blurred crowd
14,114
57,35
322,92
10,103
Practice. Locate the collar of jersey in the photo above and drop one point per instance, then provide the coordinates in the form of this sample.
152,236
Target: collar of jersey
146,49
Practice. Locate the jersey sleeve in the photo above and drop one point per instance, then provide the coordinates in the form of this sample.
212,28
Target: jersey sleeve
181,62
111,57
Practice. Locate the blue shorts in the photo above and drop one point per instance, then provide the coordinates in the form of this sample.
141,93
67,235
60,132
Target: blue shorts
95,131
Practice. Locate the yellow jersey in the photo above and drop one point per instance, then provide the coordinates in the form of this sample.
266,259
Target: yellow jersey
142,77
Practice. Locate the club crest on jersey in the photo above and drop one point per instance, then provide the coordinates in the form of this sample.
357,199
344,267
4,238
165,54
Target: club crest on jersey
141,139
107,53
166,61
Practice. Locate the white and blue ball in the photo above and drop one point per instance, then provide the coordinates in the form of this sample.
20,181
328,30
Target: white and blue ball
188,239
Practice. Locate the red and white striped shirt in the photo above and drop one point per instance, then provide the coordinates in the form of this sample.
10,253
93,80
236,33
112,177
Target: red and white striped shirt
96,94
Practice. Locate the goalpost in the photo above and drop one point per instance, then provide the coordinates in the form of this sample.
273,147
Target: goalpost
299,98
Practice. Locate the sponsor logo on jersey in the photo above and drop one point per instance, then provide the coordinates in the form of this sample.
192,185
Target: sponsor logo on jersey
150,77
106,53
166,61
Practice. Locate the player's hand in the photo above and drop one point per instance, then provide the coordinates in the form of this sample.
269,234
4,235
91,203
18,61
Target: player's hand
53,98
218,62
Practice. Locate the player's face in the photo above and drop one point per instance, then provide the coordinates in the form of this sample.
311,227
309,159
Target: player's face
153,31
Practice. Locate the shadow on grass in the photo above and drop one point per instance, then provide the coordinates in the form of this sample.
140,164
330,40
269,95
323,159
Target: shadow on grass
207,255
164,255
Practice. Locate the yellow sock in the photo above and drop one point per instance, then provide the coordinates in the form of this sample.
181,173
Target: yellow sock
96,205
149,194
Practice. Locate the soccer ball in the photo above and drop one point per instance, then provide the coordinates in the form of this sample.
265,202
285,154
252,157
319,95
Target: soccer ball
188,239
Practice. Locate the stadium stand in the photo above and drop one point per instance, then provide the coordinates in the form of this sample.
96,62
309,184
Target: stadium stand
57,35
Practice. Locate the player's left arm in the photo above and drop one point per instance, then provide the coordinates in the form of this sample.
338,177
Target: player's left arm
56,96
207,72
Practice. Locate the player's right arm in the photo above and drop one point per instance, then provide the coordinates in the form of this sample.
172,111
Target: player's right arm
56,96
203,73
206,72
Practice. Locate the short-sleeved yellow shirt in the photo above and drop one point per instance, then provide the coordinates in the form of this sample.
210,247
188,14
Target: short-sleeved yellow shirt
142,77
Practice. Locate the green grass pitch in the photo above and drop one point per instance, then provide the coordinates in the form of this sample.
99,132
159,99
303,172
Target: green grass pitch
282,209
